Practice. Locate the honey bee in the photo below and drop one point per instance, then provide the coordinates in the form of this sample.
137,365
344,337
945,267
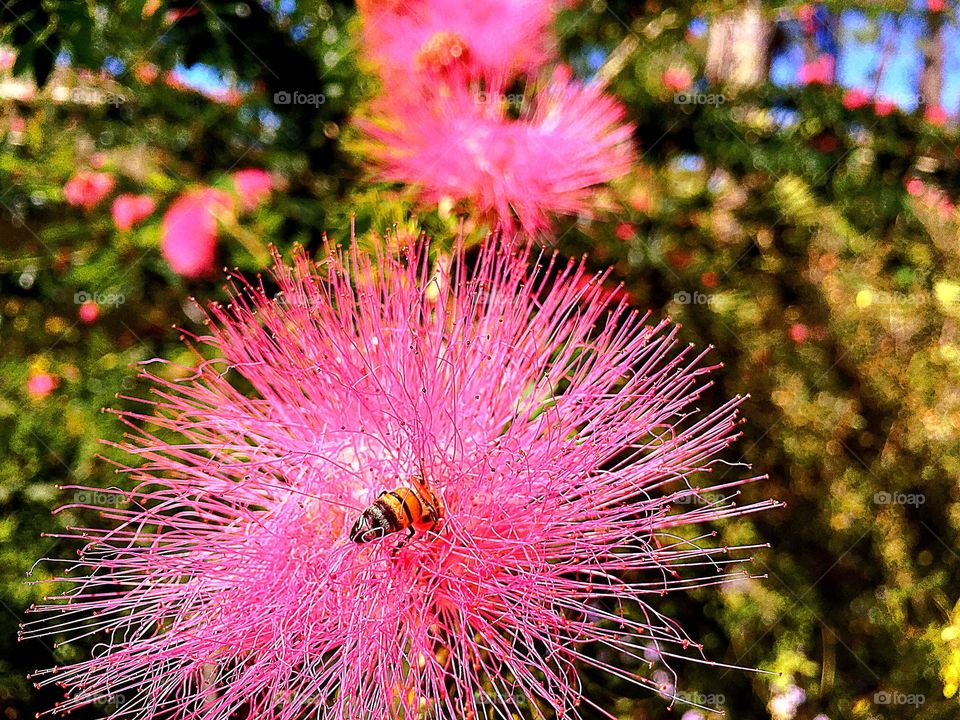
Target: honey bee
415,508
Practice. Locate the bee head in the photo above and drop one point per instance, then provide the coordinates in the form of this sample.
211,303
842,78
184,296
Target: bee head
365,529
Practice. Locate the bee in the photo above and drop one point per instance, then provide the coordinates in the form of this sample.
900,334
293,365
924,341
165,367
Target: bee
415,508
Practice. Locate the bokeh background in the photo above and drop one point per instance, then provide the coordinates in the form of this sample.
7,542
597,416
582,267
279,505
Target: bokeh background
793,204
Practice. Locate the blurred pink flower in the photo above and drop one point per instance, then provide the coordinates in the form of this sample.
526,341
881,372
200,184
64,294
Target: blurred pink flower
855,98
464,146
806,14
146,72
86,189
883,107
935,115
253,186
8,59
41,384
676,79
88,312
915,186
230,581
483,38
817,71
128,210
189,233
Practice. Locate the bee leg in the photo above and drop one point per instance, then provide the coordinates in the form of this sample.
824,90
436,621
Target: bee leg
403,541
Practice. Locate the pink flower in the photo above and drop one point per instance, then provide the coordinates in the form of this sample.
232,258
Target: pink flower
8,59
146,72
189,233
855,98
41,384
935,115
676,79
818,71
464,146
128,210
490,38
936,5
883,107
915,186
253,186
86,189
553,433
88,312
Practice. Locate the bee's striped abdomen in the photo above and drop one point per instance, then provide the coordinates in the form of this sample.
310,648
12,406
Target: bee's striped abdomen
391,512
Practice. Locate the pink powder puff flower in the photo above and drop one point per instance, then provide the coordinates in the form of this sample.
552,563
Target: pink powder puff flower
676,79
569,138
41,384
935,115
189,233
818,71
8,59
557,433
253,186
883,107
855,98
485,38
129,209
86,189
88,312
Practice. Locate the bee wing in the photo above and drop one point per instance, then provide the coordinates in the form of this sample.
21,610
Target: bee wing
419,482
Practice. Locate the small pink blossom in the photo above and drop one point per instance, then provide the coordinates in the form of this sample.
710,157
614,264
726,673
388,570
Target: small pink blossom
464,146
799,333
818,71
491,38
146,72
88,312
189,232
8,59
86,189
558,432
855,98
676,79
883,107
935,115
128,210
253,186
41,384
915,186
